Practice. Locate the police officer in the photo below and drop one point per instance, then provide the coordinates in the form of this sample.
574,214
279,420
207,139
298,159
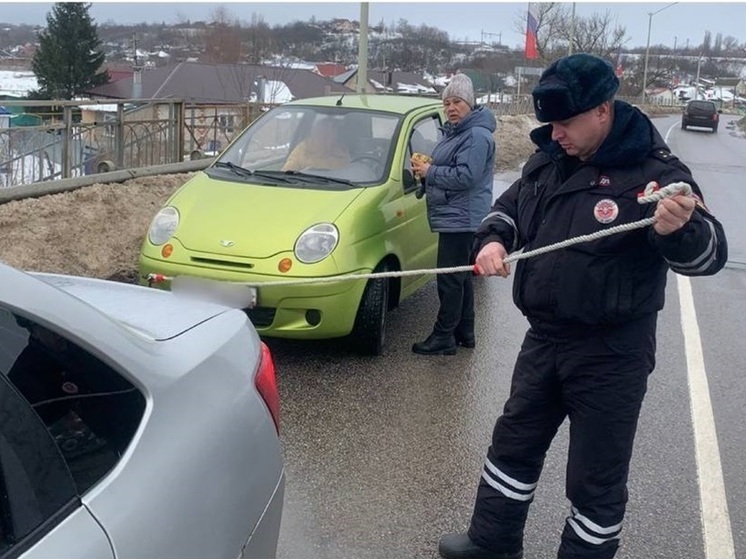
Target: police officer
591,308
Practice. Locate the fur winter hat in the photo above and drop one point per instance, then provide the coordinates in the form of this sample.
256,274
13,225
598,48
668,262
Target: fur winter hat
460,86
572,85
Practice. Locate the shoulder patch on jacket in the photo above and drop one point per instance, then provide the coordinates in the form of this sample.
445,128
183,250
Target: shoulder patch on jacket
663,155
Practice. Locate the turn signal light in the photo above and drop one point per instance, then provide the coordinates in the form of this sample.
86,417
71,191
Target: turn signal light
285,265
167,250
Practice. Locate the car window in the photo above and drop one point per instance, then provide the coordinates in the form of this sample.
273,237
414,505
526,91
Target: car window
270,140
350,147
89,409
36,488
425,135
702,106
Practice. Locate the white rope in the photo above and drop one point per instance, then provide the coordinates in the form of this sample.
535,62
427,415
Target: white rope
652,193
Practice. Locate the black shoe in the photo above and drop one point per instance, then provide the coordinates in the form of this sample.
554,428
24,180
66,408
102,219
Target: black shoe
436,344
465,333
459,546
465,340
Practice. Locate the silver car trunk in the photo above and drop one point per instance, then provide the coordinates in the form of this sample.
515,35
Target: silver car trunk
149,312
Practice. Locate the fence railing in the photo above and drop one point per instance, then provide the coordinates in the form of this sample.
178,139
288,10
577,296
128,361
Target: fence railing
49,140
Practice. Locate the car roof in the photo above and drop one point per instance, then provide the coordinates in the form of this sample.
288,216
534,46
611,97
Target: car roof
401,104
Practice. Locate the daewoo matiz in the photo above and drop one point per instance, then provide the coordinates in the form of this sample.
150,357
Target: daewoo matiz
315,188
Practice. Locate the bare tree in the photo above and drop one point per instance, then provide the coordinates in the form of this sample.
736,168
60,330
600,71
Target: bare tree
258,40
596,34
223,38
551,19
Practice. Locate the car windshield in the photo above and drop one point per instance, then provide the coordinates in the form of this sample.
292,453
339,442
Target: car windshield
702,106
314,147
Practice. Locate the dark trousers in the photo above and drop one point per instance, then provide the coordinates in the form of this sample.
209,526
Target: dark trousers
455,291
598,381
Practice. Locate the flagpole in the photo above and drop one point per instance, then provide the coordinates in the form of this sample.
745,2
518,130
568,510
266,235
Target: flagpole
572,30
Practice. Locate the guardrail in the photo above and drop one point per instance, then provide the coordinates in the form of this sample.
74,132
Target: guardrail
36,190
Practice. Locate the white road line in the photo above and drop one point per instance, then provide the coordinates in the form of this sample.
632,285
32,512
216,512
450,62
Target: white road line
718,537
716,527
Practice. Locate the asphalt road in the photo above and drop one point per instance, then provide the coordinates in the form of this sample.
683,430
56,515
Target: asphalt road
383,455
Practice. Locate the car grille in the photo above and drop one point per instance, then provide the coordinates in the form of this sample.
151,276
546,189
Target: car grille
261,316
217,262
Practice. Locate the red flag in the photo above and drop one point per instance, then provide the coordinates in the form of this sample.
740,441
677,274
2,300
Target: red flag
531,28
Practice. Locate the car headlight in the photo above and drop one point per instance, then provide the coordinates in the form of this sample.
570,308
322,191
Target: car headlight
163,226
316,243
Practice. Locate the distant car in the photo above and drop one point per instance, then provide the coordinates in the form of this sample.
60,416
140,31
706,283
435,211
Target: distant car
285,201
701,113
133,424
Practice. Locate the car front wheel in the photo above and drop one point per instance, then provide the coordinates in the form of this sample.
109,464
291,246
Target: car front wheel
369,331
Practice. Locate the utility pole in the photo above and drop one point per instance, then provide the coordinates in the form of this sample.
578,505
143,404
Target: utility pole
572,30
362,51
498,35
136,71
647,51
696,81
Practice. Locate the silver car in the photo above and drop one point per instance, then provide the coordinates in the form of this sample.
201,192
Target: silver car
133,424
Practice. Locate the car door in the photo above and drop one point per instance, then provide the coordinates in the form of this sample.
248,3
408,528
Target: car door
420,248
41,515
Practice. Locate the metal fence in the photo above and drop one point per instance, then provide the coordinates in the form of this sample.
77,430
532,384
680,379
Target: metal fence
50,140
43,140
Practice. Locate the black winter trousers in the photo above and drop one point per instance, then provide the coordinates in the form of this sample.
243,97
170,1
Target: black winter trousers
455,291
598,381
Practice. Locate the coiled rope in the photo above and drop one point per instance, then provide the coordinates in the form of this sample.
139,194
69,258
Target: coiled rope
652,193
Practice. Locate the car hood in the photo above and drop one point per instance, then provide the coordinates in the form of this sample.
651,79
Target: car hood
251,220
153,313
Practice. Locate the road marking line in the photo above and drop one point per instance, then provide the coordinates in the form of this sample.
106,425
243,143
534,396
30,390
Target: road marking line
716,527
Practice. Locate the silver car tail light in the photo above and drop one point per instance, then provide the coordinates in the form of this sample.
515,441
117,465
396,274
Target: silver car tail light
266,384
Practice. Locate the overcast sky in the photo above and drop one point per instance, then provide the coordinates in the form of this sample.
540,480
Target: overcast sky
674,26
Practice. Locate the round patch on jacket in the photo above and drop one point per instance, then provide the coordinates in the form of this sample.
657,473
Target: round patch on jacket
606,211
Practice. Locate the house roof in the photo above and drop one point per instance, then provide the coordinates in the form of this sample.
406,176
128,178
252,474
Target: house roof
728,81
330,69
198,82
393,82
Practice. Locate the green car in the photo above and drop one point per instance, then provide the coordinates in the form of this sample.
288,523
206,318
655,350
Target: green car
315,188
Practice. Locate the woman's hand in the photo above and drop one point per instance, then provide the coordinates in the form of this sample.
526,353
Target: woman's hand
420,165
490,261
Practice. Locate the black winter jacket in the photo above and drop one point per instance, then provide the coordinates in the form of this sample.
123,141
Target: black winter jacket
614,279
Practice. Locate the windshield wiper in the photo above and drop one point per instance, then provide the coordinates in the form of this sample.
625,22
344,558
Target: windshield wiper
235,168
303,175
244,172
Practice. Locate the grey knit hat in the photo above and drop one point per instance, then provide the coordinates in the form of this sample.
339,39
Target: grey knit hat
460,86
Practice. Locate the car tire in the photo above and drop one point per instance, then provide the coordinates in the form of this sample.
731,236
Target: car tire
714,129
683,126
369,331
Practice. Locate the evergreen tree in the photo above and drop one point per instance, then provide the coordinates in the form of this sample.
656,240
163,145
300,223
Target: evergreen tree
69,57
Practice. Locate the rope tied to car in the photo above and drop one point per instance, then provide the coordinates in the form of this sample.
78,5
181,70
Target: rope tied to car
652,193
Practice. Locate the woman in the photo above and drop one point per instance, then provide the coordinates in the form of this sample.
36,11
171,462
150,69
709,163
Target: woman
458,184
